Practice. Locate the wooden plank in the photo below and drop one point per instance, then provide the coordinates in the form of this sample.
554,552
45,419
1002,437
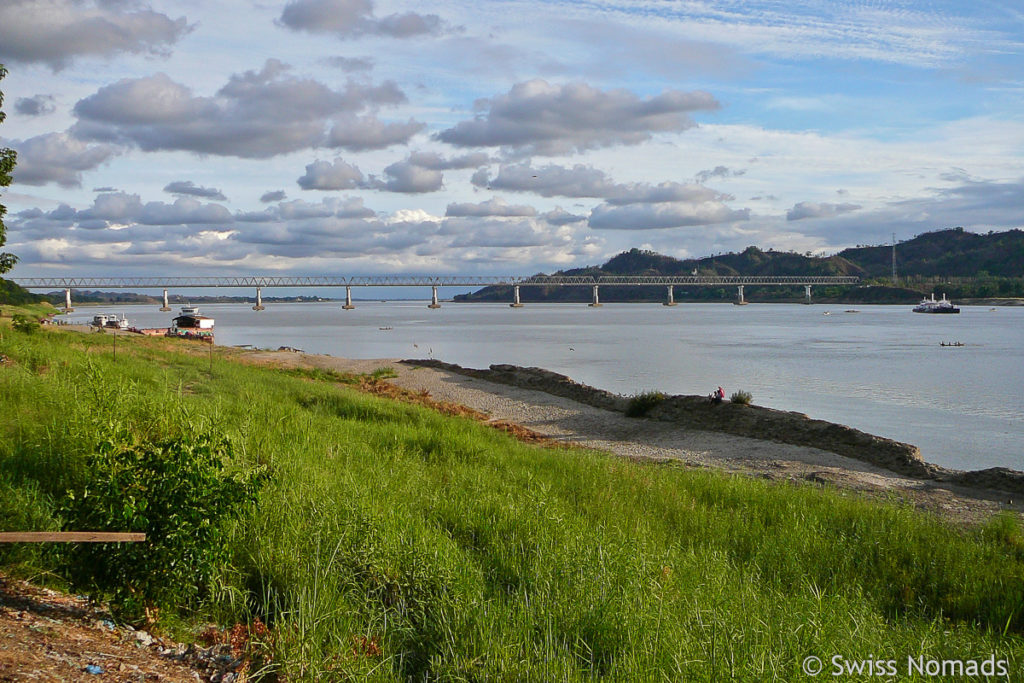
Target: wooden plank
70,537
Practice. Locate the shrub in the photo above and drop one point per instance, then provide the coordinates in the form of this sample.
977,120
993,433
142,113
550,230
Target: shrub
24,323
385,372
178,493
742,397
642,403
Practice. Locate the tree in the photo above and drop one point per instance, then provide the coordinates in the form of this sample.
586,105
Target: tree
8,157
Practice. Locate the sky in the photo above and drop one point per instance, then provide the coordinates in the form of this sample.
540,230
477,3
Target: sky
503,137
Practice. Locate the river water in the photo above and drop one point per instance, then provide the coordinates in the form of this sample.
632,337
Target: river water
880,369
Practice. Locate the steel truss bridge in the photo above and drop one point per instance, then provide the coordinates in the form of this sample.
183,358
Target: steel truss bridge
433,281
420,281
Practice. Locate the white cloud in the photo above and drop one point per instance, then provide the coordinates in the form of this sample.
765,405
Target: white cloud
537,117
55,32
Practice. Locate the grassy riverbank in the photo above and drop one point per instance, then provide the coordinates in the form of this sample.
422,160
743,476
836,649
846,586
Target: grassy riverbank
391,542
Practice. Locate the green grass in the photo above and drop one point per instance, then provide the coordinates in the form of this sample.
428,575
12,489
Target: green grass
469,556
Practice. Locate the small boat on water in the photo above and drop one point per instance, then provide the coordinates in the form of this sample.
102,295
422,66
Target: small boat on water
110,321
191,325
956,343
943,305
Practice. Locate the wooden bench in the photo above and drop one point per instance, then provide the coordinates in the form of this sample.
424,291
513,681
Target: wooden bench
71,537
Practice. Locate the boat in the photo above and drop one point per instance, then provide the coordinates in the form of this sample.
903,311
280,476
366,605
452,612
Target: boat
930,305
110,321
191,325
956,343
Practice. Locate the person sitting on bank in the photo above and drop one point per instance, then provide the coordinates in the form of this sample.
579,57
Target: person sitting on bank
718,395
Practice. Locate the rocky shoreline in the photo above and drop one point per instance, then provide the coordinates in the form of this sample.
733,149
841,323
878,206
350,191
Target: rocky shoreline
758,422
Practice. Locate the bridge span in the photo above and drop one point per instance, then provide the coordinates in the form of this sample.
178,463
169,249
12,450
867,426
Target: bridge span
433,281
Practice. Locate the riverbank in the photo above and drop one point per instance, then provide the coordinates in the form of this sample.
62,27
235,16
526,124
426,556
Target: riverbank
390,540
688,431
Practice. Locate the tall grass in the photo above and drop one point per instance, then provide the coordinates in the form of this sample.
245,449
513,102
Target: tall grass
465,555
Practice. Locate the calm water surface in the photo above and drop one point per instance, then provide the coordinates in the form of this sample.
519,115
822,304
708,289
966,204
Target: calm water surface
880,369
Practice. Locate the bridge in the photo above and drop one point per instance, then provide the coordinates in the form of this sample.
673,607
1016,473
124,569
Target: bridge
433,281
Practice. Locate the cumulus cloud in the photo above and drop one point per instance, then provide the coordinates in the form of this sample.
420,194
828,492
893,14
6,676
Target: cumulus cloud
645,193
804,210
184,211
326,175
492,207
57,158
422,171
257,114
272,196
120,209
717,172
350,64
548,181
37,105
355,18
407,177
559,216
553,180
187,187
537,117
497,232
55,32
436,162
664,215
360,133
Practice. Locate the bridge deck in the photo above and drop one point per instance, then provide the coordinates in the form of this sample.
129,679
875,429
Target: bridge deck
422,281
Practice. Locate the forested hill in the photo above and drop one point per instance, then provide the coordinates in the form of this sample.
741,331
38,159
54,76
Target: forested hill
952,253
946,253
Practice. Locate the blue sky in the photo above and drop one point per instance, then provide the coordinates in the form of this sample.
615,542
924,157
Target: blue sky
504,137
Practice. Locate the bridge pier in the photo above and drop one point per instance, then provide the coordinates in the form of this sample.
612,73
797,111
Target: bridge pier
596,301
259,300
740,301
67,301
433,298
515,298
348,299
807,294
671,301
166,306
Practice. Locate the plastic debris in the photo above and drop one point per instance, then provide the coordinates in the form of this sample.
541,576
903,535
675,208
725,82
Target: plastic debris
93,669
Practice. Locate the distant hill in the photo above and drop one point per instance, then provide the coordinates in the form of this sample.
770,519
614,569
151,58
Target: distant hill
996,258
946,253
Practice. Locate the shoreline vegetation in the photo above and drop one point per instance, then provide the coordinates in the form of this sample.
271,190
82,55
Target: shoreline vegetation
388,541
696,412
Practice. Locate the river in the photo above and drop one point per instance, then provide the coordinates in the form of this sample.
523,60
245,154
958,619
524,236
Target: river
880,369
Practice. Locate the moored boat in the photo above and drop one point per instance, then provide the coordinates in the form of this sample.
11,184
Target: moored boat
191,325
110,321
930,305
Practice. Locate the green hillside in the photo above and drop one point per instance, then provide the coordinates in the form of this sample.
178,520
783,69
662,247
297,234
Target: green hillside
946,253
965,264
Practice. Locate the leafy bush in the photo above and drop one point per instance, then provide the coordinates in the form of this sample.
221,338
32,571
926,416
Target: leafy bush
642,403
178,493
24,323
742,397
